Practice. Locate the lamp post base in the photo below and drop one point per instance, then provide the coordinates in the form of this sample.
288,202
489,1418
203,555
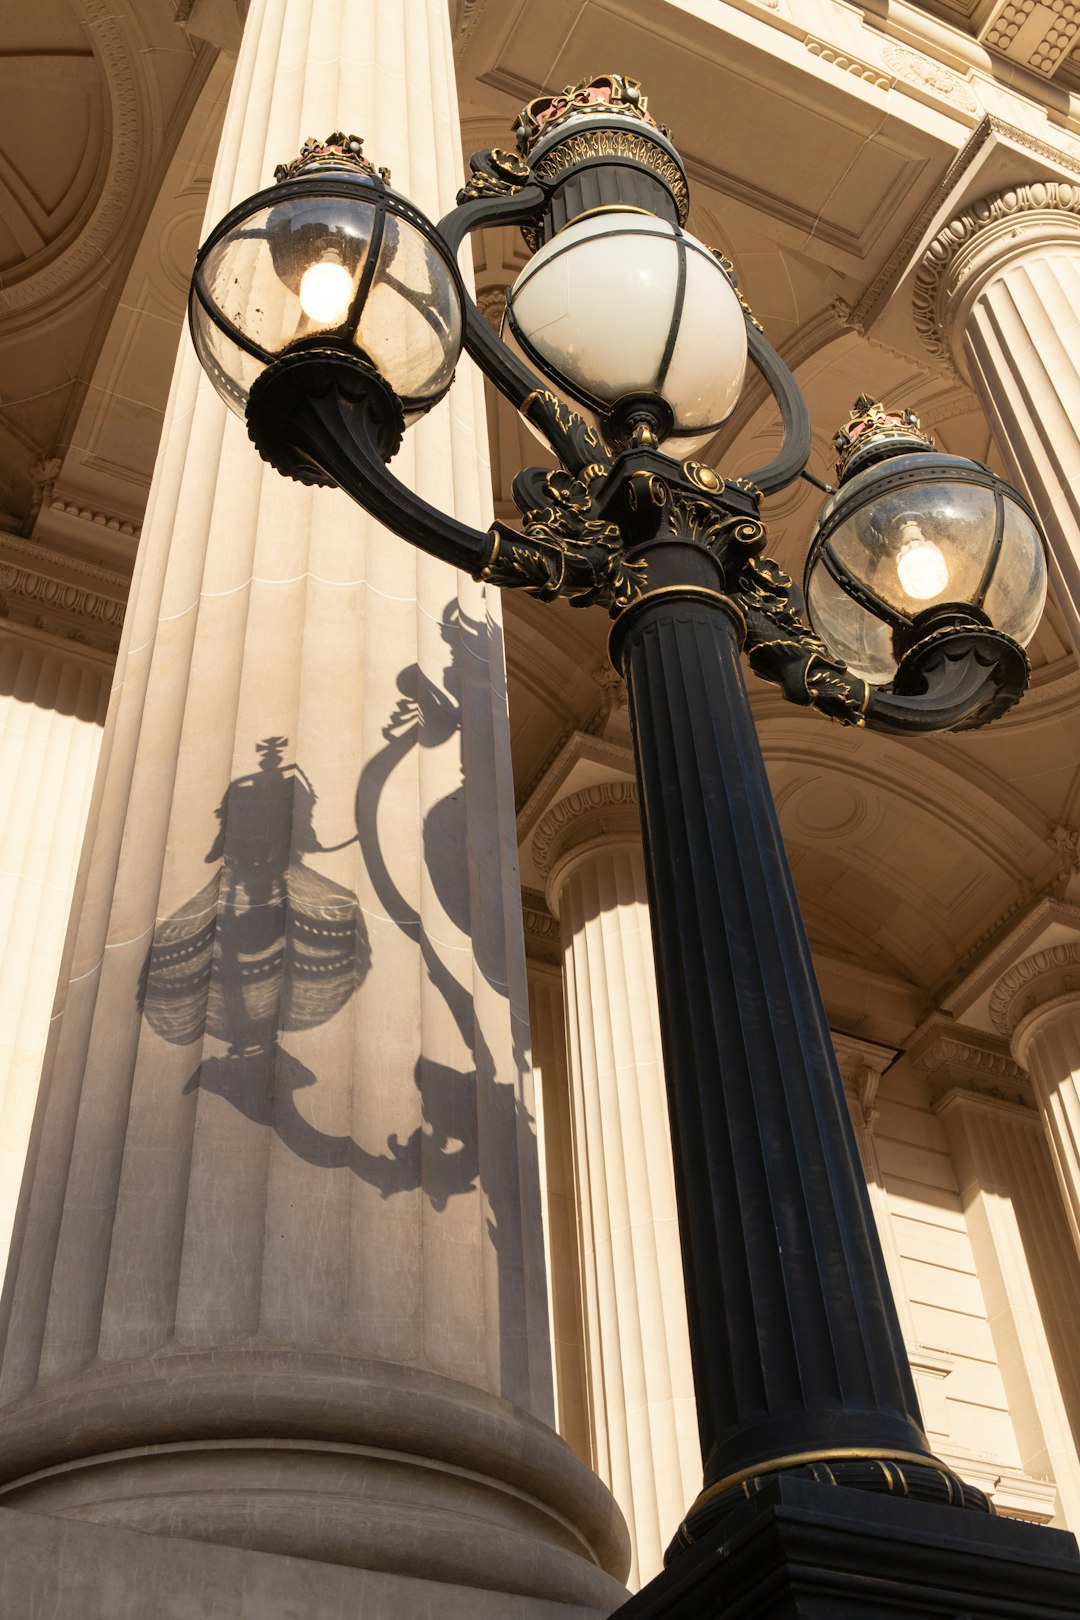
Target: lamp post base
799,1550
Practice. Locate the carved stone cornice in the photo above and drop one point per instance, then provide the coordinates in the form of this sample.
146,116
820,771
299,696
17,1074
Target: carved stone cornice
591,812
956,1061
63,597
542,937
1012,940
91,514
48,561
866,311
569,751
866,71
978,243
989,130
1044,976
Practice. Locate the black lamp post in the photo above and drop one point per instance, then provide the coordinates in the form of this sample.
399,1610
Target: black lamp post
331,313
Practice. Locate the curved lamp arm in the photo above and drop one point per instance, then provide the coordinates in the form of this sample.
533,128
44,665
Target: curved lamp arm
516,206
503,192
321,417
796,444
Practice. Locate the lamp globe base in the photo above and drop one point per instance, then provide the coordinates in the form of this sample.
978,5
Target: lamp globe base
305,408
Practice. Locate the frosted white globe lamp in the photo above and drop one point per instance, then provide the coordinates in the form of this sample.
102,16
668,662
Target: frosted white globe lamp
623,305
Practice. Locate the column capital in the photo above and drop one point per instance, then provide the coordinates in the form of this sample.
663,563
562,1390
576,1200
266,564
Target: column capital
862,1064
979,244
605,812
1038,984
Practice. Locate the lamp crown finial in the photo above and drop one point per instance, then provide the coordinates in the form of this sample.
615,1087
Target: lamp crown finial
605,93
338,151
874,431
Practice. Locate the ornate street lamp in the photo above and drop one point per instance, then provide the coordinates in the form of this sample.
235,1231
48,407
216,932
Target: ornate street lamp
330,313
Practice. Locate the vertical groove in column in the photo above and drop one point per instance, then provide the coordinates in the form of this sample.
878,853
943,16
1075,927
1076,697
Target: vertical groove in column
1051,1054
795,1344
561,1210
1032,1290
1022,341
50,732
640,1377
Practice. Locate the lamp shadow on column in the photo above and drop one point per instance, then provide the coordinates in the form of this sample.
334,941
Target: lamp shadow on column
270,946
454,1100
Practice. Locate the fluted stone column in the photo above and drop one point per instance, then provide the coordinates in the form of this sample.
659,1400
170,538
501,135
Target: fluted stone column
1036,1006
640,1377
1032,1291
998,292
51,714
278,1277
555,1135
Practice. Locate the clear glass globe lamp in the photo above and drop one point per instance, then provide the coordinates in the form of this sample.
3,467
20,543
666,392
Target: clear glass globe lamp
623,305
914,542
329,258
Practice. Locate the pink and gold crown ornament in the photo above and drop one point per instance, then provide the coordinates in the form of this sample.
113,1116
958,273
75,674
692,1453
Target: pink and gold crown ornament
605,94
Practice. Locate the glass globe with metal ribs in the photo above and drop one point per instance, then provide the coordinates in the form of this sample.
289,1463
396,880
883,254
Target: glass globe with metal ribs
914,543
329,258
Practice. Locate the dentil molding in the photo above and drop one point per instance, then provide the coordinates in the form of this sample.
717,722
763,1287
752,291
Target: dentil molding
542,935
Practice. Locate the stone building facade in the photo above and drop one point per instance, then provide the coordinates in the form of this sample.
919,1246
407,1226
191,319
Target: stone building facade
346,1264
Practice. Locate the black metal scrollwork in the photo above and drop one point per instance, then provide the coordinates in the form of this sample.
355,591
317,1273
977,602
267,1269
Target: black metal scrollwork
782,648
494,174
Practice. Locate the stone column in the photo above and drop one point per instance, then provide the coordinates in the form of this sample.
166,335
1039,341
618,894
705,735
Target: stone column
1030,1285
278,1275
637,1345
1036,1006
51,714
998,292
554,1129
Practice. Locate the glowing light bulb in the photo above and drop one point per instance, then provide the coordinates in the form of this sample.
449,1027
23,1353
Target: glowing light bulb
326,290
920,564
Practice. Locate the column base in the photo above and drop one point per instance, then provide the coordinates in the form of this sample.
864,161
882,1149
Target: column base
385,1469
805,1551
74,1571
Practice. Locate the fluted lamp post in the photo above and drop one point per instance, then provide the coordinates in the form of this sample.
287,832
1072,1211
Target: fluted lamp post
330,314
